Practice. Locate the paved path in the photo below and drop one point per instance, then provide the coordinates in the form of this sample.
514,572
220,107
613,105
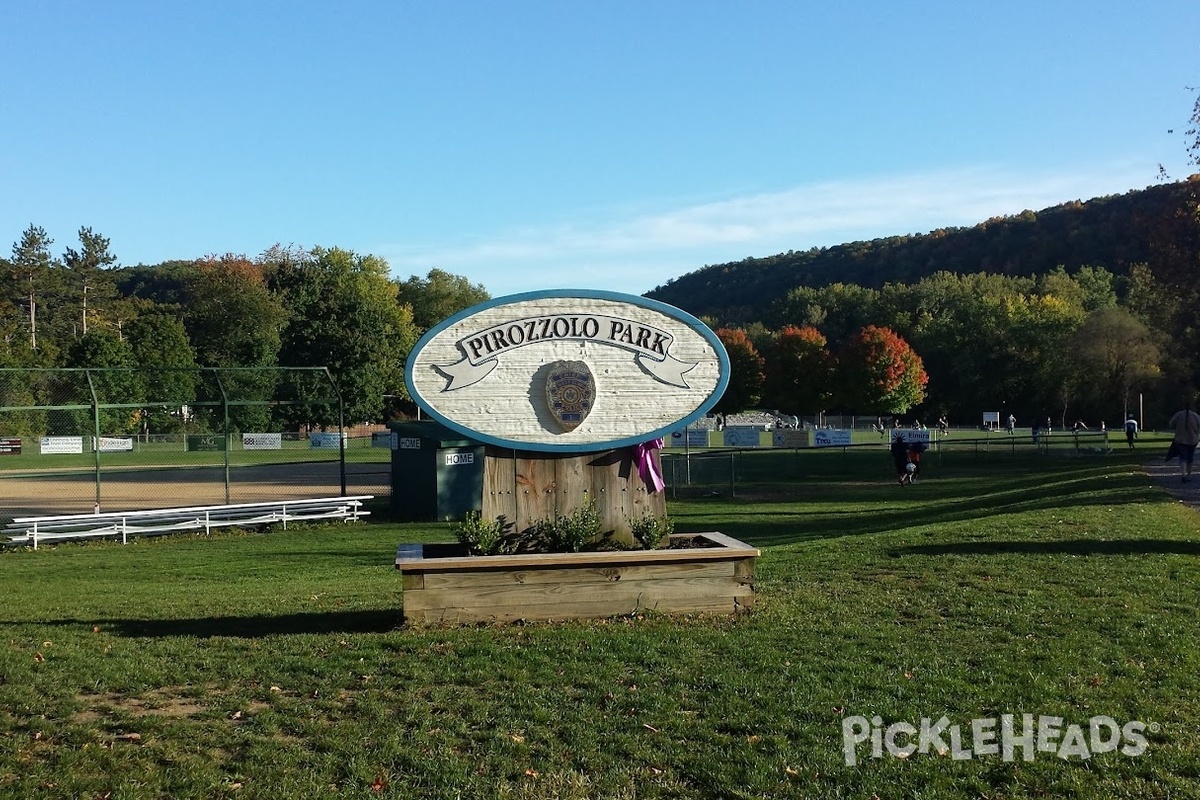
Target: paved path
1167,476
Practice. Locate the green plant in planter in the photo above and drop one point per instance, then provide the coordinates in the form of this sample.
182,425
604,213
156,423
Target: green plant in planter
484,538
651,532
568,533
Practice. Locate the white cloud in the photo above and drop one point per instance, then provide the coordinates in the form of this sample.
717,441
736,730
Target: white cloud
638,253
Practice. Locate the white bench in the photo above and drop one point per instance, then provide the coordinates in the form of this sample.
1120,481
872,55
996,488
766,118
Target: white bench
123,524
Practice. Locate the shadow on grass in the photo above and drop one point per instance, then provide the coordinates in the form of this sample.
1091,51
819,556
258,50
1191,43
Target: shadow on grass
1072,547
248,627
886,508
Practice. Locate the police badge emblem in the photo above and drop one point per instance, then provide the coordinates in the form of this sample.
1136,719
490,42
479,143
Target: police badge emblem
570,393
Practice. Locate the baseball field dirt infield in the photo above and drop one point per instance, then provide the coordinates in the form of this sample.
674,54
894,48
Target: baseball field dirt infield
60,492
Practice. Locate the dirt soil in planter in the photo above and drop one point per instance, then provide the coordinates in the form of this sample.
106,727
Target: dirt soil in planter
689,543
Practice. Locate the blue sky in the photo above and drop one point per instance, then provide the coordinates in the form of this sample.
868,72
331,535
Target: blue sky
534,145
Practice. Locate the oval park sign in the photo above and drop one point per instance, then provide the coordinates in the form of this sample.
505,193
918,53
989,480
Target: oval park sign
568,370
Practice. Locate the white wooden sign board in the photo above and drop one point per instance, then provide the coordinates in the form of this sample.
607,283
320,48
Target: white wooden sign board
568,370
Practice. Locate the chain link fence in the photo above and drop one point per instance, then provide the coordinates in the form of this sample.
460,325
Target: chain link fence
80,440
726,471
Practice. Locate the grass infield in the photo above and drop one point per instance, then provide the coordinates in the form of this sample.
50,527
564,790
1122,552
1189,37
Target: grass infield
272,665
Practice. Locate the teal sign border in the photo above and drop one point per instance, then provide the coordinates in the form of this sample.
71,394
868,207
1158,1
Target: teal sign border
585,294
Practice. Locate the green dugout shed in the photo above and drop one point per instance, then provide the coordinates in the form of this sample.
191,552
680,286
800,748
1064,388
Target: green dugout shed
437,473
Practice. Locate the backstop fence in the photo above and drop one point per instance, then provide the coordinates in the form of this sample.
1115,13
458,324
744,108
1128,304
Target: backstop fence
79,440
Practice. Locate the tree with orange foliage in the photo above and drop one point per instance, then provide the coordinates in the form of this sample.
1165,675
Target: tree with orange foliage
746,376
881,373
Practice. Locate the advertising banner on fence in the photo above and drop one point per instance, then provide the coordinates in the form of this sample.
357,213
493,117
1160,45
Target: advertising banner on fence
10,446
688,437
326,440
61,444
910,435
113,444
742,436
382,439
789,437
199,442
262,441
831,438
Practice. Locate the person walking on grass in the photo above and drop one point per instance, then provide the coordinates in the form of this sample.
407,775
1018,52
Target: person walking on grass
900,459
1131,427
1186,426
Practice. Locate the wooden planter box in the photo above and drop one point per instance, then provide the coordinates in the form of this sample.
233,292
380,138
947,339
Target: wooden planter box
442,585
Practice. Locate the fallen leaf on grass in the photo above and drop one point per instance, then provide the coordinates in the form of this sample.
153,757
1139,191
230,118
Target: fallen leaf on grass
650,727
379,784
128,737
754,739
38,657
791,773
531,773
95,629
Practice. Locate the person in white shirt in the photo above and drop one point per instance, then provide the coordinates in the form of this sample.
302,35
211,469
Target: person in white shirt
1131,430
1186,425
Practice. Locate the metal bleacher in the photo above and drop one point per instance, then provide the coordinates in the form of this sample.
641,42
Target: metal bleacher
125,524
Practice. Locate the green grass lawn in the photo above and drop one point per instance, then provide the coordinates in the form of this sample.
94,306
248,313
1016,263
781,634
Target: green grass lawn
274,666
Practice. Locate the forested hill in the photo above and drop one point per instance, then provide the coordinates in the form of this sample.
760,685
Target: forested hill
1111,232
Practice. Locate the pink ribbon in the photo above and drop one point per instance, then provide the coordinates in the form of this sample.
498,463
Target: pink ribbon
648,468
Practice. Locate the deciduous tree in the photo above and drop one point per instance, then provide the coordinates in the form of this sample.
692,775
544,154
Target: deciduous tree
1117,355
114,381
438,295
233,320
160,347
343,313
881,373
799,371
746,377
